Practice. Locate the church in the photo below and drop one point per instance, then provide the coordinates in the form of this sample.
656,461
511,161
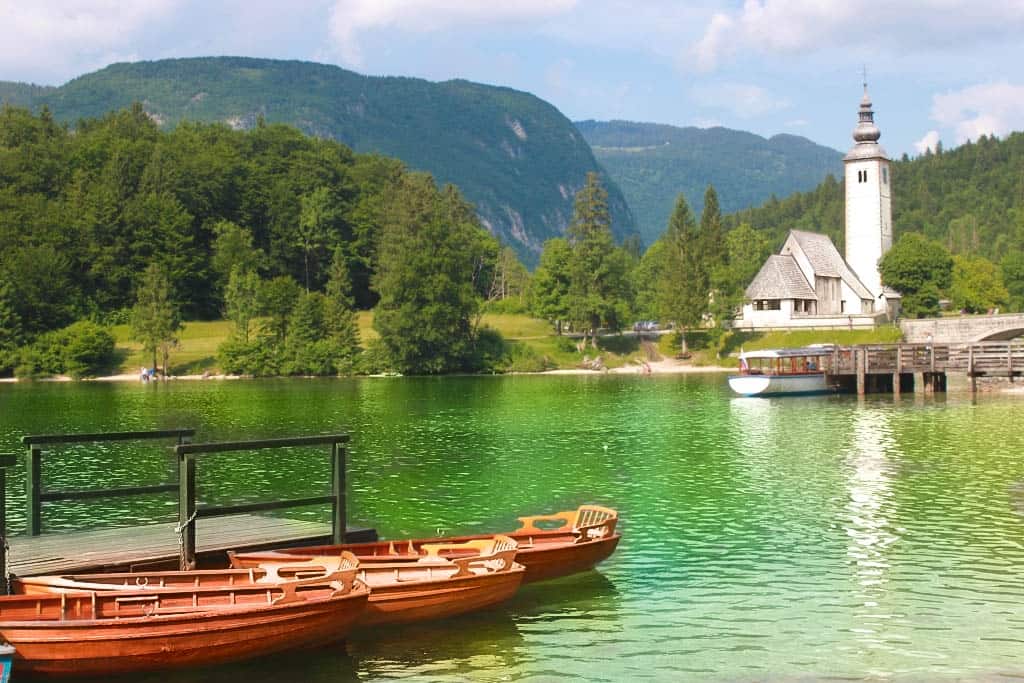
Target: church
808,284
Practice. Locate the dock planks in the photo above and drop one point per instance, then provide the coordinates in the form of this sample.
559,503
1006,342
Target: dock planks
157,544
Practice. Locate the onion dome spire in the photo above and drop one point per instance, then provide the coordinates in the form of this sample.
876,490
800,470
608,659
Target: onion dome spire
866,130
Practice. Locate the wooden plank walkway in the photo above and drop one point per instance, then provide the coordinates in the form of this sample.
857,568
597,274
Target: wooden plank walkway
156,545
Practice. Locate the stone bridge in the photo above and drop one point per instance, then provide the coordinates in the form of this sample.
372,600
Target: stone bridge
964,329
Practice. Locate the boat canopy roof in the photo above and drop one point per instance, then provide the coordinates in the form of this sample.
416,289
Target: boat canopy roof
813,350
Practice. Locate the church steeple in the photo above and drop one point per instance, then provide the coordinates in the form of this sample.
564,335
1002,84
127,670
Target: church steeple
868,202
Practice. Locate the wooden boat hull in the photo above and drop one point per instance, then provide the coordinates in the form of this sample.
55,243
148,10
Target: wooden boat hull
400,603
545,555
779,385
83,646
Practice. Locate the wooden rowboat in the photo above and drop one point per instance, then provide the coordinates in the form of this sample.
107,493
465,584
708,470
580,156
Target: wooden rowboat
482,575
121,629
550,546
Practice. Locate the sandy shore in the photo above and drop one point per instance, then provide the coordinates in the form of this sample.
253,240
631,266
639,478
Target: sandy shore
662,367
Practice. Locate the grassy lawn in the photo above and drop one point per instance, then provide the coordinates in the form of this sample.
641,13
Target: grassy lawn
197,351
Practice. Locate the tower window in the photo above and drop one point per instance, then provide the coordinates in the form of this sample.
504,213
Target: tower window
885,175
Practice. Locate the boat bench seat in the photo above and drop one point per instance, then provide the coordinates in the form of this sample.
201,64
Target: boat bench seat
493,554
587,521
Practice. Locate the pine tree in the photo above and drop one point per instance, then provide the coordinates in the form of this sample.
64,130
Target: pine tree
683,294
339,315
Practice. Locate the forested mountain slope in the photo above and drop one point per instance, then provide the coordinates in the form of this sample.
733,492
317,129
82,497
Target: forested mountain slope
515,156
653,163
971,199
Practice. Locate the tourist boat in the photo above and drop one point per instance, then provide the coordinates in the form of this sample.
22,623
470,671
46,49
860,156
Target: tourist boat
116,627
778,372
482,574
550,546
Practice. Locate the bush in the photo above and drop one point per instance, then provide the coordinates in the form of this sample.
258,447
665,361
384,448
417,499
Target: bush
81,349
523,358
238,357
490,352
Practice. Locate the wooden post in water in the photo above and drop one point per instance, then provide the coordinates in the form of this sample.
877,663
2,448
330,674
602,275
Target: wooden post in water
187,511
33,490
899,371
970,369
339,515
860,359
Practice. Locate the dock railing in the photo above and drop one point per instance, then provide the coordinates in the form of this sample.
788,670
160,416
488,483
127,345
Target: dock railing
35,496
189,511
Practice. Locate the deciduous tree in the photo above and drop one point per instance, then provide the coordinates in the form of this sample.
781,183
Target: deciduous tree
156,319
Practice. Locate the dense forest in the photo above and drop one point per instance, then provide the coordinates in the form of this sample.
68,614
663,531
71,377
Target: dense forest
513,155
118,221
653,163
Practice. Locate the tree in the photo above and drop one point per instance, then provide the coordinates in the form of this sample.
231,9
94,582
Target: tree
597,274
241,299
277,299
551,282
340,317
1012,265
977,284
233,247
919,269
10,328
156,320
425,278
317,212
646,278
683,294
306,349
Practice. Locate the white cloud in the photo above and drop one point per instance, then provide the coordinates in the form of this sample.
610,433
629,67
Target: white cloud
983,109
49,37
348,18
743,100
805,26
928,142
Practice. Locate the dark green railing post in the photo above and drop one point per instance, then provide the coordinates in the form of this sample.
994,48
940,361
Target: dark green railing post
34,490
187,511
339,519
5,462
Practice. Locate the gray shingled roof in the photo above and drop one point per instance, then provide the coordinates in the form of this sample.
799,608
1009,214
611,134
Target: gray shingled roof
780,278
826,261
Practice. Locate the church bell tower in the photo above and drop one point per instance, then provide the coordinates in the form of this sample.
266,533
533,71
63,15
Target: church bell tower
868,203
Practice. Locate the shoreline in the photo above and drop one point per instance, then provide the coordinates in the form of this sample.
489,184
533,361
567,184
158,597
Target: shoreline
662,367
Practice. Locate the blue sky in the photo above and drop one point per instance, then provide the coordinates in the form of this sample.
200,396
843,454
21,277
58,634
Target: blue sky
937,69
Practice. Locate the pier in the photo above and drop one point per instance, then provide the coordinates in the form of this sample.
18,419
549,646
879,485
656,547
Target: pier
896,368
202,532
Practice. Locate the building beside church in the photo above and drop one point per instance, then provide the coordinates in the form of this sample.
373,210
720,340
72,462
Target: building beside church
808,283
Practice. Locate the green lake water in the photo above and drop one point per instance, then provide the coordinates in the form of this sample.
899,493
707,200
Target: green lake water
763,539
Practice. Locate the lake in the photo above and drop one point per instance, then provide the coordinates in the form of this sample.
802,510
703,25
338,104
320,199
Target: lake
823,538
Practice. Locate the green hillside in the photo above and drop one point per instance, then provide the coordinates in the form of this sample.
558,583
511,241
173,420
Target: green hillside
653,163
971,199
21,94
516,157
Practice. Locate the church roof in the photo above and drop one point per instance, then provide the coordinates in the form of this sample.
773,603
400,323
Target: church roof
826,261
780,278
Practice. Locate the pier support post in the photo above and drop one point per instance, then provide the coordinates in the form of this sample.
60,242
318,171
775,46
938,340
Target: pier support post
187,512
861,370
5,462
339,520
34,490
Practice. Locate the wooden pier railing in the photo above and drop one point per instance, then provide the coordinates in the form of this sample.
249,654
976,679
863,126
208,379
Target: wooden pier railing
36,496
1005,359
188,511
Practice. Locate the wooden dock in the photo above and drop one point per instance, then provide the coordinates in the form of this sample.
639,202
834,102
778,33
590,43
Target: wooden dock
157,546
885,368
203,532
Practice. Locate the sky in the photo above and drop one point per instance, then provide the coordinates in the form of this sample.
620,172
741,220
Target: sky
936,69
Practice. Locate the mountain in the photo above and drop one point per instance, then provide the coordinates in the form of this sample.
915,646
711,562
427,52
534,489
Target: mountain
515,156
653,163
21,94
